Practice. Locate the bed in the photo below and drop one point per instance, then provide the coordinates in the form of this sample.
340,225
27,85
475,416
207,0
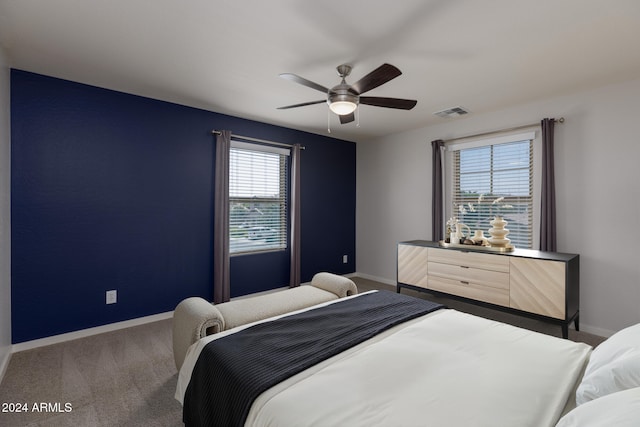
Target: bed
438,367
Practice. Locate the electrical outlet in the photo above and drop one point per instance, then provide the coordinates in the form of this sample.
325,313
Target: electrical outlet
345,259
112,297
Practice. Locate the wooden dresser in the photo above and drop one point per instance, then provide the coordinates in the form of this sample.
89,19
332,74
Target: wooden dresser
543,285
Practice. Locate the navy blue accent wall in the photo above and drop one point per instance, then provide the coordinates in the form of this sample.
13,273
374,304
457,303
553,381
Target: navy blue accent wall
114,191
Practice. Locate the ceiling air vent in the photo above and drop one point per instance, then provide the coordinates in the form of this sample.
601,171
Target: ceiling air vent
451,112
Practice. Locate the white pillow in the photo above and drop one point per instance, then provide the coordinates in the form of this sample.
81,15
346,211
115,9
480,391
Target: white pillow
621,409
613,366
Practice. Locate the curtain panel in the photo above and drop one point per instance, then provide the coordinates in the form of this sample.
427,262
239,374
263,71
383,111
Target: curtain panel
548,190
437,194
221,263
295,275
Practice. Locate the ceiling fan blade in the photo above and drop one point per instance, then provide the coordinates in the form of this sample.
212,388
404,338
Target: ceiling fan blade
304,82
377,77
347,118
401,104
302,105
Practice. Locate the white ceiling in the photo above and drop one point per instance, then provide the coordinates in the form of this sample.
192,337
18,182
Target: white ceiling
226,55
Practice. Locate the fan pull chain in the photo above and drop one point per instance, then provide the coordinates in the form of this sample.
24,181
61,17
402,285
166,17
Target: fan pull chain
328,120
357,117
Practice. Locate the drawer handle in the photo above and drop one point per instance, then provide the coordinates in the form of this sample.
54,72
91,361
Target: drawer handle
463,266
464,282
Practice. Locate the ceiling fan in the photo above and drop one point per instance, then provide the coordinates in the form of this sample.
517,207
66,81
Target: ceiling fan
343,99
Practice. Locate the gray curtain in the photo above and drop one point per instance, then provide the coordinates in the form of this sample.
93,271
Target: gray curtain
295,278
548,190
221,289
437,225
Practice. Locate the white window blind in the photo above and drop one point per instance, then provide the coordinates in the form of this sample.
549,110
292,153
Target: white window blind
495,179
257,198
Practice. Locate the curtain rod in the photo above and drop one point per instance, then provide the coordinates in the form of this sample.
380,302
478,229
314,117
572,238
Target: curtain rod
263,141
560,120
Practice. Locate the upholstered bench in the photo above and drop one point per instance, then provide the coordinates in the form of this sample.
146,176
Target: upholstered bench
195,318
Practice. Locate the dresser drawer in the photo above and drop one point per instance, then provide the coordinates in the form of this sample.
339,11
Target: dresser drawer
479,276
470,259
470,290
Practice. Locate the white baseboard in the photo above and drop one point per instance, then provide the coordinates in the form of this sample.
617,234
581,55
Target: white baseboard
28,345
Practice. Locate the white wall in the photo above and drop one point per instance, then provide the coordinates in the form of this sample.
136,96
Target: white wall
5,211
597,190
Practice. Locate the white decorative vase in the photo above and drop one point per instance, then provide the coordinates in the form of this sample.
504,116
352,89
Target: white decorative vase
499,233
479,239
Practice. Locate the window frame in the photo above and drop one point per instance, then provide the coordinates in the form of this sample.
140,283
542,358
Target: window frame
450,170
282,238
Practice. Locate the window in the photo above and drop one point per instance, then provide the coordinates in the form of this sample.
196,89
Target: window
257,198
495,177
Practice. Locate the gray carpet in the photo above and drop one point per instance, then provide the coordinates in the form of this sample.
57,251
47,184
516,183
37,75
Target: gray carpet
128,378
121,378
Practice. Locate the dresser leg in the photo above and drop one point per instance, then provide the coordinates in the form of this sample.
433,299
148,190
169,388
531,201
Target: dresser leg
565,330
576,322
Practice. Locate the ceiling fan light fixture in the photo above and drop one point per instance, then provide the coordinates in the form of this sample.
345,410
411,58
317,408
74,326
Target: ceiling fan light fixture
342,101
343,107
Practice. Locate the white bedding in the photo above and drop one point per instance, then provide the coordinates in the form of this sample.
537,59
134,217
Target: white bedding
446,368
